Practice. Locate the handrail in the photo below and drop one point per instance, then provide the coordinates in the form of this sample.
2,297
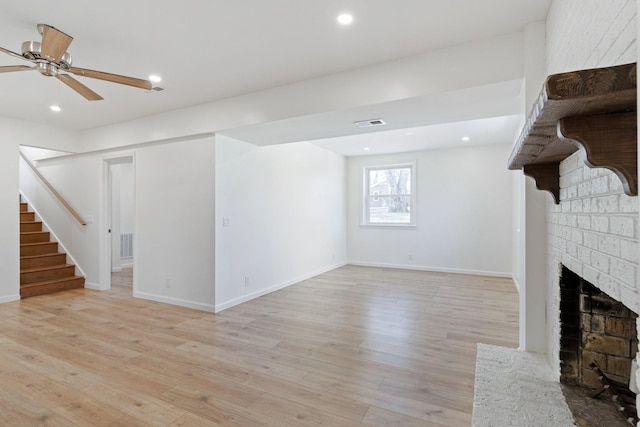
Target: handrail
53,190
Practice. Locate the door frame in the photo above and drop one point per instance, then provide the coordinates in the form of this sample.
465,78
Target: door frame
105,236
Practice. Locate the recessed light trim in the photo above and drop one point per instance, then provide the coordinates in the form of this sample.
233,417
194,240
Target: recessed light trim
366,148
466,138
345,19
55,108
154,78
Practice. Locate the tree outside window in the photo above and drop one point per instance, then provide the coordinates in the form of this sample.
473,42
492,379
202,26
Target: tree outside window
388,198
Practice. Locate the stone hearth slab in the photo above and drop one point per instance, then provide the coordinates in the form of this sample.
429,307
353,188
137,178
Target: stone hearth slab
516,388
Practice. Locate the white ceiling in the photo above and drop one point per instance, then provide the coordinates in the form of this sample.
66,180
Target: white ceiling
207,50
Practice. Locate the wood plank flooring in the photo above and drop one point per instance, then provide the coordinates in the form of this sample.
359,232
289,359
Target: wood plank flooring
355,346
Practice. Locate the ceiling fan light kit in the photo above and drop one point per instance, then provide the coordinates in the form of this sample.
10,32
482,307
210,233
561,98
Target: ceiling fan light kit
50,58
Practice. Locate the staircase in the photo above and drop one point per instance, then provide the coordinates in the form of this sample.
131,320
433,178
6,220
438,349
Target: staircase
43,270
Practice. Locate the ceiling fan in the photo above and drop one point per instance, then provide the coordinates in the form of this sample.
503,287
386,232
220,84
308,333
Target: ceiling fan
52,59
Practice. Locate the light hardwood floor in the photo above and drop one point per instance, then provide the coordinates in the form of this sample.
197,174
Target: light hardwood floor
355,346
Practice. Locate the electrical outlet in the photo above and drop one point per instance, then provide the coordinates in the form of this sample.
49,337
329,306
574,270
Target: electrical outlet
410,257
167,283
246,281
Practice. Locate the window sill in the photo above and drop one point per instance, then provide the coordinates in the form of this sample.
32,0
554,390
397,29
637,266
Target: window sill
390,226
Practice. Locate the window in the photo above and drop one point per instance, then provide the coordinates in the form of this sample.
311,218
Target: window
389,195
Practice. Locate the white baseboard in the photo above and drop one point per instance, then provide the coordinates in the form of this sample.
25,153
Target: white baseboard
433,269
515,283
9,298
175,301
265,291
93,286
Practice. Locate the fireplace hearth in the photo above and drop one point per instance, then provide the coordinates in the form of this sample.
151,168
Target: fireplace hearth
598,344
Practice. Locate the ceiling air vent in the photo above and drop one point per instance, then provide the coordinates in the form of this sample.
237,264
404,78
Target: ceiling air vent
369,123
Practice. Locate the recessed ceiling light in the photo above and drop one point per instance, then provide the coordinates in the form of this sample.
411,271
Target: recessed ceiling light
465,138
345,19
56,108
366,148
154,78
408,133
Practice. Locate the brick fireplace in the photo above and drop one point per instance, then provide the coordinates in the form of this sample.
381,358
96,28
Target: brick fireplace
592,248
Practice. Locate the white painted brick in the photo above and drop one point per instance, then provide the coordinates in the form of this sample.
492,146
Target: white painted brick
571,179
606,204
584,222
570,164
576,205
629,297
563,220
609,245
590,240
584,189
615,185
628,204
629,250
600,262
584,255
610,286
572,249
600,224
590,274
623,271
576,236
585,34
600,185
622,226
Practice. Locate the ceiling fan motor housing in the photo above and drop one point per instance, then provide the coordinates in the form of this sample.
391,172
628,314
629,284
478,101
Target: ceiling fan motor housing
33,52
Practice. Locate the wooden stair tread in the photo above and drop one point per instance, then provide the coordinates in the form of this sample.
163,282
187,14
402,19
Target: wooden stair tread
38,243
48,282
42,255
51,267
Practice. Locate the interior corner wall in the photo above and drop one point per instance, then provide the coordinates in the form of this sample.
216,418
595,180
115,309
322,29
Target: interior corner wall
464,213
174,251
9,217
280,217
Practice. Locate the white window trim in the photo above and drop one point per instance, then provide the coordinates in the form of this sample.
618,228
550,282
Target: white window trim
364,210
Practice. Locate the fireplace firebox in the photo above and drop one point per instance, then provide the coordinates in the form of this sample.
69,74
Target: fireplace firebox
598,344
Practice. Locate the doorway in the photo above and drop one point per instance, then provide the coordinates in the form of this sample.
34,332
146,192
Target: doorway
120,220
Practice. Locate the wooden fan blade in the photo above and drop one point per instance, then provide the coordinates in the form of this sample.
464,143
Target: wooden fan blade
78,87
113,78
17,55
10,68
54,42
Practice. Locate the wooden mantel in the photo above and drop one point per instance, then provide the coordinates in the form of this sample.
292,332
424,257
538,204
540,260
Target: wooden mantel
591,110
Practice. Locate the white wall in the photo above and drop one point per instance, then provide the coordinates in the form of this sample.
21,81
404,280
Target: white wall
464,208
9,218
174,250
280,217
174,194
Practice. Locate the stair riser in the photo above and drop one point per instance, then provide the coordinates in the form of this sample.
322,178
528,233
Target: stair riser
30,226
24,207
44,261
72,283
27,216
41,249
42,236
41,276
